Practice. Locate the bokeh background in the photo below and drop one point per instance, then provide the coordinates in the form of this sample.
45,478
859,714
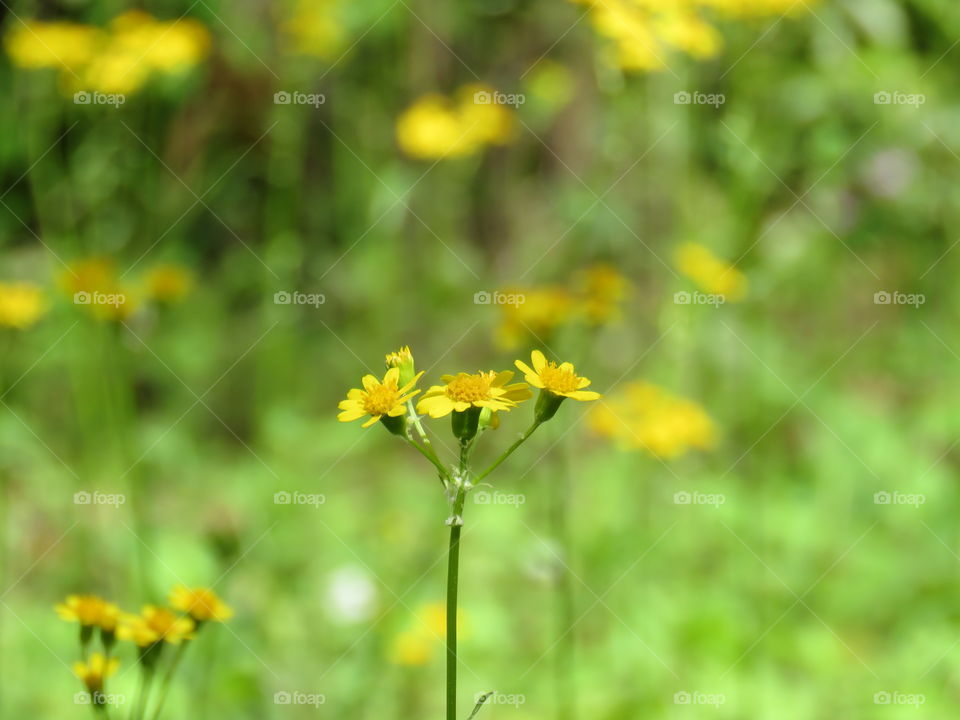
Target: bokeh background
736,216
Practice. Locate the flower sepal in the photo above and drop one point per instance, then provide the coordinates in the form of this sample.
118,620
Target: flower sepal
547,406
466,423
396,425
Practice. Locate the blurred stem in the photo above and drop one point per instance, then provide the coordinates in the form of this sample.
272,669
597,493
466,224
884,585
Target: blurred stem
146,681
168,677
453,577
509,451
564,601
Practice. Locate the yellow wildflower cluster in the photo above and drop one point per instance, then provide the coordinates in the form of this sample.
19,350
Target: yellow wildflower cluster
149,631
418,644
120,58
710,273
645,417
643,33
21,305
437,126
94,284
594,296
315,28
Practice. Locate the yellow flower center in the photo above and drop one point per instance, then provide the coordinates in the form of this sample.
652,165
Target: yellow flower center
381,400
469,388
162,622
559,380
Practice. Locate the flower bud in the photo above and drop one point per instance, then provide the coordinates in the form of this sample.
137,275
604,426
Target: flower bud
402,359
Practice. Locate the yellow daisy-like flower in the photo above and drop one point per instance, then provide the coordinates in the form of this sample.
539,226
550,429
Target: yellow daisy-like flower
93,672
378,398
464,391
561,380
21,305
201,604
89,611
154,625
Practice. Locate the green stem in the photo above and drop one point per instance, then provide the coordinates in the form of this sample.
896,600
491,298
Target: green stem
433,459
509,451
146,680
168,677
453,577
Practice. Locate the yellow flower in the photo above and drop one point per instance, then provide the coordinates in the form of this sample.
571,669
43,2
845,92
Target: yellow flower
416,646
155,625
536,313
34,44
410,649
89,611
378,399
201,604
601,292
710,273
561,380
481,390
315,27
169,283
436,126
93,672
21,305
94,285
648,418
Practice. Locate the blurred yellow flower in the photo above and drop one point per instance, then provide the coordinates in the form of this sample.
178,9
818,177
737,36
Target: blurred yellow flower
93,284
169,283
535,314
201,604
378,398
21,304
436,126
93,672
710,273
601,290
463,391
410,649
35,44
645,417
316,28
154,625
416,646
89,611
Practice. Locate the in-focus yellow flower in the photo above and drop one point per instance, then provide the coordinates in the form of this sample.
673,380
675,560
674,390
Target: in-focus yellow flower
378,399
21,305
93,672
436,126
710,273
169,283
89,611
561,380
645,417
463,391
201,604
316,27
155,625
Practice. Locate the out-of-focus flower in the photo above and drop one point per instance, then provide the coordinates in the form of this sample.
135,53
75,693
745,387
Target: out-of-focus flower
710,273
551,83
436,126
201,604
378,399
93,284
89,611
168,283
118,59
351,595
601,291
464,391
536,313
417,645
155,625
93,672
410,649
21,304
315,27
646,417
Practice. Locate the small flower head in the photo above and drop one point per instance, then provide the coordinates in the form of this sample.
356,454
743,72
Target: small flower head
710,273
556,383
402,359
90,611
602,290
169,283
21,305
155,625
480,390
95,670
378,399
201,604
